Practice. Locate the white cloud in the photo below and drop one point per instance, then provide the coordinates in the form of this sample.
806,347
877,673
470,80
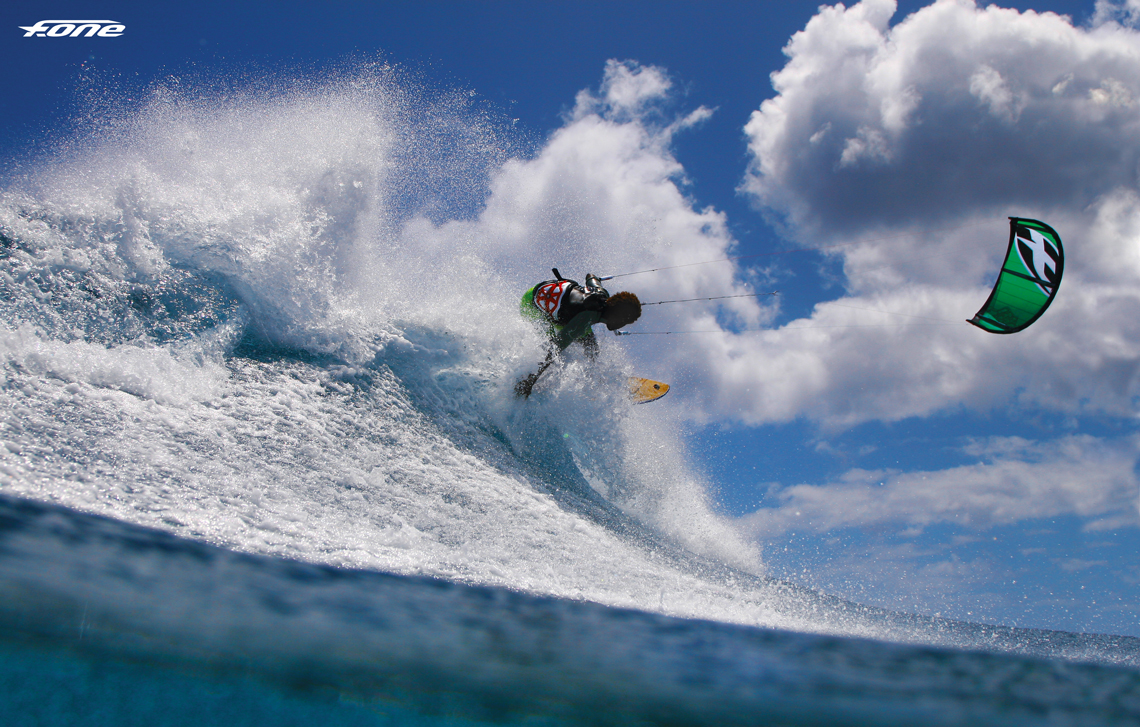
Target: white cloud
988,86
867,143
627,90
963,99
1112,92
1078,475
1123,13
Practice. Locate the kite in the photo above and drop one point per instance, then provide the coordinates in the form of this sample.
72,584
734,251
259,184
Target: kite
1028,280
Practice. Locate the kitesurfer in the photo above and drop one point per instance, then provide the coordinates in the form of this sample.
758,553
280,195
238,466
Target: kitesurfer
568,311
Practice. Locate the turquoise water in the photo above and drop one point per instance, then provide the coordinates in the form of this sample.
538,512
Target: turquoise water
110,623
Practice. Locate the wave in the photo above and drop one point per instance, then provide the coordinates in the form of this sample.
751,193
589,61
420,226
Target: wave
234,320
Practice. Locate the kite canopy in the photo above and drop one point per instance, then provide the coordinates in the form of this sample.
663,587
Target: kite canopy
1028,280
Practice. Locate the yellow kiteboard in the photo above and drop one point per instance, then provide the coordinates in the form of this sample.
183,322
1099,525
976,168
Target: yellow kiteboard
643,391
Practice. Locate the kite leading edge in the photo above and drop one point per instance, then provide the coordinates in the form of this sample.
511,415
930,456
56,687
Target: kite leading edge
1028,280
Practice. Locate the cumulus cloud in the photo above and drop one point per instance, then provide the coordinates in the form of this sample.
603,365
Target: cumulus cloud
973,108
1015,480
627,90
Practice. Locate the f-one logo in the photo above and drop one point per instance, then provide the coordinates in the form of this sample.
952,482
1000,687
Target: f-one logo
74,29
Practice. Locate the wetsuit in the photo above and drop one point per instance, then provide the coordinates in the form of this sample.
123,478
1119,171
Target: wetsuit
567,309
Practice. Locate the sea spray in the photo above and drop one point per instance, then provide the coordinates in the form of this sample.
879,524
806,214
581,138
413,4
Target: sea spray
258,319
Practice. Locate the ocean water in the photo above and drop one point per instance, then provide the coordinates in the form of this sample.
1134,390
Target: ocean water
260,461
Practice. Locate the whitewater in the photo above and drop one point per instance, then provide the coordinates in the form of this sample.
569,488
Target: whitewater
260,456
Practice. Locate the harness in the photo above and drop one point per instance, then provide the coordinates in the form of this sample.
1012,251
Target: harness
543,302
548,297
556,302
566,309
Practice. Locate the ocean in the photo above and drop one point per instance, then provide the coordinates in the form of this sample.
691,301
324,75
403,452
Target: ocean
261,461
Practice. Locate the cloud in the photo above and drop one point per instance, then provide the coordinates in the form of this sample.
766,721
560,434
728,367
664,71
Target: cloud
900,150
990,88
627,90
1016,480
1123,13
973,108
605,194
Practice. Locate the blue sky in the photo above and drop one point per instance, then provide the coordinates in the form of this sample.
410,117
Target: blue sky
941,469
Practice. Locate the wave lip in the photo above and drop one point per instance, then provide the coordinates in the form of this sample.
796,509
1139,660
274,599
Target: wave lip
113,592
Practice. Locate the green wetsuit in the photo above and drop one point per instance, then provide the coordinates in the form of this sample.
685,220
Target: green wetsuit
572,314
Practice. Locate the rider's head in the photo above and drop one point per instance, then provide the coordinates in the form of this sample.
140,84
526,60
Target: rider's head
621,310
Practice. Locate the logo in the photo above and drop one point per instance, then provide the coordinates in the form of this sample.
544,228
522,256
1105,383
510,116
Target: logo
74,29
548,297
1041,256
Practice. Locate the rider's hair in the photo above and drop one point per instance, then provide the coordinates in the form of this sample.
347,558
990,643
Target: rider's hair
621,310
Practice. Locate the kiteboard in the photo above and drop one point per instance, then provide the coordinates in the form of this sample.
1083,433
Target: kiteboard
643,391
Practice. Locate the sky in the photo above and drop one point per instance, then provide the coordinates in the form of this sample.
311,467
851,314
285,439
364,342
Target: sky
860,160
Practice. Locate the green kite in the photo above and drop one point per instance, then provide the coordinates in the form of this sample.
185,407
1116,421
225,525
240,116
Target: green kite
1028,280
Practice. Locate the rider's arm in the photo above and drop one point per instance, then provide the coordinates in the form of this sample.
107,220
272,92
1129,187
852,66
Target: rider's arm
590,343
577,328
